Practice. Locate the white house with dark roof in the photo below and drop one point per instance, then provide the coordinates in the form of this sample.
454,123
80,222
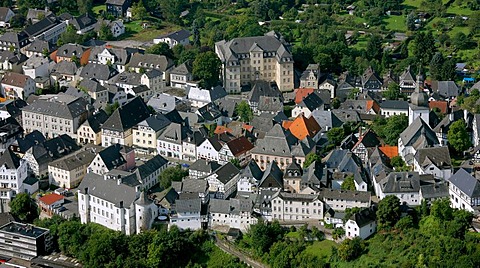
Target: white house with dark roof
146,133
99,72
83,23
296,207
143,62
232,213
13,172
36,66
238,148
181,74
90,131
416,136
202,168
223,181
38,48
435,161
6,14
199,97
393,107
17,86
170,141
68,171
14,41
114,156
187,214
172,39
361,224
249,178
209,149
116,203
404,185
339,200
464,191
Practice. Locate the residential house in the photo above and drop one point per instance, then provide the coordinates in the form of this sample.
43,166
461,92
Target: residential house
12,61
272,178
371,81
416,136
22,144
367,140
262,88
407,82
269,105
310,77
119,126
446,89
10,130
234,213
40,48
14,41
202,168
187,214
117,8
192,189
393,107
464,191
441,129
435,161
36,66
326,119
199,97
309,104
129,80
35,15
361,224
108,55
117,28
249,178
116,204
238,149
223,181
94,89
54,115
49,29
340,164
65,73
6,14
211,114
294,207
145,62
90,131
13,173
170,141
40,155
115,156
180,37
50,202
72,52
146,133
83,23
17,86
339,200
181,74
404,185
248,59
303,127
99,72
163,103
190,145
68,171
12,108
263,203
209,149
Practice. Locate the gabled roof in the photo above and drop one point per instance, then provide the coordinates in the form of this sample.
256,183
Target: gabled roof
98,71
226,172
272,177
302,93
441,105
83,21
205,166
239,145
466,183
394,105
311,102
70,50
175,133
252,170
127,116
65,67
178,35
401,182
108,189
302,127
372,105
439,156
150,61
96,120
10,160
14,37
15,79
369,139
41,26
58,105
39,46
156,122
182,69
364,217
188,205
407,75
4,12
49,199
264,88
277,141
112,156
270,104
418,131
326,119
91,85
446,89
33,138
389,151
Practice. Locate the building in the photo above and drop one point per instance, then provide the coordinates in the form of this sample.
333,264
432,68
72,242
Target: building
117,8
99,72
145,134
116,203
153,79
72,52
119,126
249,178
339,200
114,156
238,148
294,207
407,82
36,66
145,62
6,14
180,75
202,168
310,77
83,23
234,213
12,61
172,39
13,172
435,161
223,181
24,241
54,115
393,107
49,202
361,224
307,105
68,171
464,191
14,41
419,103
245,60
17,86
39,47
187,214
10,130
169,143
416,136
404,185
49,29
90,131
302,127
199,97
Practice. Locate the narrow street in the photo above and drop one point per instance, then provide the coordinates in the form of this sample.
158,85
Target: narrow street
233,251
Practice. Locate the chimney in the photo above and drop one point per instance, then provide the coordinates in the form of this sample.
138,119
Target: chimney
86,190
450,117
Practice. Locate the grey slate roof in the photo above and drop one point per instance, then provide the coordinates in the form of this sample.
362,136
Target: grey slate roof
156,122
83,21
188,205
264,88
73,161
272,177
194,186
182,69
178,35
347,115
127,116
311,102
418,134
150,167
205,166
345,195
270,104
4,12
91,85
108,189
98,72
226,172
41,26
162,102
401,182
96,120
394,105
439,156
29,140
433,191
150,61
16,38
252,170
112,157
69,50
10,160
65,67
39,46
466,183
326,119
174,133
364,217
60,105
277,141
446,89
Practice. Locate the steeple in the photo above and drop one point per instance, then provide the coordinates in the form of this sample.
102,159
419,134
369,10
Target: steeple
419,97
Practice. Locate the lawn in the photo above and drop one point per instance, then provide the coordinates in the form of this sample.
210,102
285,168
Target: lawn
459,10
361,42
134,31
98,9
293,236
321,249
457,29
412,3
396,23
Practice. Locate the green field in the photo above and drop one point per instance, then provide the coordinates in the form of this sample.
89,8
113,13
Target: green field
459,10
396,23
322,249
98,9
134,31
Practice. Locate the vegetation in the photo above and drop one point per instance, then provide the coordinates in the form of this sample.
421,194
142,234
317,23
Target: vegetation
389,129
110,108
206,67
244,111
388,212
348,183
310,158
170,174
24,207
458,136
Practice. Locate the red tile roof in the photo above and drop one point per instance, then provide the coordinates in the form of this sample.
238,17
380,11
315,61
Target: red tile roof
248,127
373,104
222,129
49,199
389,151
442,105
302,127
239,146
301,93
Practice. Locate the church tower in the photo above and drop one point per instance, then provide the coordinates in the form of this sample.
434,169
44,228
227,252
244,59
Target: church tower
419,102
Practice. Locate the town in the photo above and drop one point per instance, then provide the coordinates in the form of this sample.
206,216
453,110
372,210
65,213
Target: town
133,136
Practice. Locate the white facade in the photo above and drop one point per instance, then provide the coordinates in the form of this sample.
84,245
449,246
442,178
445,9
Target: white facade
292,207
11,180
432,169
387,112
422,112
206,151
219,189
169,149
298,110
352,229
38,70
171,42
15,92
117,28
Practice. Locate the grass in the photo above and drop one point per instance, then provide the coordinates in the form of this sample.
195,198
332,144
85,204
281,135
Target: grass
361,42
396,23
412,3
459,10
98,9
293,236
321,249
457,29
134,31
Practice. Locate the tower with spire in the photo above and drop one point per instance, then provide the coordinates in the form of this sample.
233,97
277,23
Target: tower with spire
418,101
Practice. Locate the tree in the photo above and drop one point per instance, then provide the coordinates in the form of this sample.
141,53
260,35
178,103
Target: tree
236,162
160,49
105,33
411,21
423,47
110,108
461,41
84,6
336,135
139,11
310,158
24,207
388,212
398,164
170,174
348,183
391,128
350,249
374,47
392,92
206,67
458,136
244,111
172,9
336,103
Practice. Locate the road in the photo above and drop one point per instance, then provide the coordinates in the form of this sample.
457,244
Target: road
233,251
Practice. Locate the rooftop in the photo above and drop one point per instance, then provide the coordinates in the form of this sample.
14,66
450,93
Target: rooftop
28,230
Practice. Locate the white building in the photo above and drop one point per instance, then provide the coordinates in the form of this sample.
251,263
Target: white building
36,66
223,181
233,213
17,86
209,149
199,97
187,214
292,207
404,185
435,161
169,143
113,157
68,171
362,224
172,39
13,172
340,200
249,178
114,204
464,191
393,107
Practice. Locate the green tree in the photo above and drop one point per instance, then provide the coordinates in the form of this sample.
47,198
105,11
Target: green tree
423,47
411,21
348,183
206,67
374,47
172,9
458,136
24,207
139,11
388,212
310,158
71,237
335,103
236,163
105,33
395,125
398,164
244,111
110,108
336,135
85,6
160,49
392,92
170,174
461,41
350,249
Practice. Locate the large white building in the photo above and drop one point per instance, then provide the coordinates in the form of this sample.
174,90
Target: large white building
116,203
464,191
232,213
292,207
362,224
13,172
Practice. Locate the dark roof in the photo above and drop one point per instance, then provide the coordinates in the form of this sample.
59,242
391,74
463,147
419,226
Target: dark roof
312,101
98,71
272,177
156,122
345,195
239,145
194,186
270,104
33,138
10,159
13,107
466,183
108,189
226,172
15,79
60,105
364,217
127,116
4,12
252,170
264,88
394,104
188,205
150,61
178,35
112,156
41,26
175,133
183,69
150,167
206,166
446,89
96,120
91,85
69,50
439,156
17,38
116,2
83,21
418,132
398,182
